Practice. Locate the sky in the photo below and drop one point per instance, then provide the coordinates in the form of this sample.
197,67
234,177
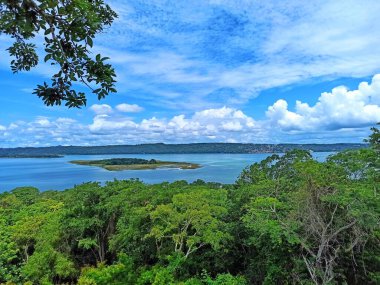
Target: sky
215,71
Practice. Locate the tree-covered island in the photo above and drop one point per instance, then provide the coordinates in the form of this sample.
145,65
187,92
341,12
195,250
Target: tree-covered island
115,164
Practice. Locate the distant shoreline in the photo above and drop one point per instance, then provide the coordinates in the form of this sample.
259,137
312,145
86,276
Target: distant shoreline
160,148
32,156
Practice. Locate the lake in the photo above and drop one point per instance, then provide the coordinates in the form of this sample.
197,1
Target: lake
59,174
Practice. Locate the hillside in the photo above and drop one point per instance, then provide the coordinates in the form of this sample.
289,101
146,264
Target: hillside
161,148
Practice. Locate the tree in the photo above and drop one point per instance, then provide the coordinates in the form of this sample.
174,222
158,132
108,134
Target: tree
49,261
89,220
287,220
191,221
274,167
9,253
374,138
120,273
69,27
311,220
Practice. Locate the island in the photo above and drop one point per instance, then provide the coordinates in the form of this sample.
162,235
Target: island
117,164
31,156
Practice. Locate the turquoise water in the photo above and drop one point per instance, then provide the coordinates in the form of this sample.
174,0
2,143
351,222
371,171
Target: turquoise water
59,174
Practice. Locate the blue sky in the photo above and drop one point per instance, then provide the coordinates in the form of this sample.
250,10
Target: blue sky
216,71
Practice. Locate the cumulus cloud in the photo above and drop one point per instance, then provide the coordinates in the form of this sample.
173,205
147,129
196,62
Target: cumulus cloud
105,123
44,131
129,108
208,123
42,122
221,124
331,119
340,108
101,108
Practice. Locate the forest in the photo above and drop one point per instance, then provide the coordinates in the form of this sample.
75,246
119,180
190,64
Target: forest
161,148
287,220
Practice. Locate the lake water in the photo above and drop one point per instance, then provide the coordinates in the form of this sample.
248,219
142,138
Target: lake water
59,174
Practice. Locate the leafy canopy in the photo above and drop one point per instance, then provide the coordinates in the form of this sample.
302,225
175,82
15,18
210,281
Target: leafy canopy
67,29
374,138
287,220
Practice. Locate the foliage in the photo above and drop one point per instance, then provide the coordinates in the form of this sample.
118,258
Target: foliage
68,28
161,148
121,161
288,220
191,221
374,138
120,273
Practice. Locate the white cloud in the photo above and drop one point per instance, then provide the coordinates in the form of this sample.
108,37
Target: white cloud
201,47
341,115
65,121
105,123
210,122
12,126
101,108
129,108
42,122
340,108
190,49
44,131
232,126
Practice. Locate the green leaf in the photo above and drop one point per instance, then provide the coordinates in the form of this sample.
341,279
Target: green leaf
89,41
47,57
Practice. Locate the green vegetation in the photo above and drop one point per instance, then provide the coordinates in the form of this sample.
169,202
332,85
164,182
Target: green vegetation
69,28
31,156
115,164
287,220
374,138
161,148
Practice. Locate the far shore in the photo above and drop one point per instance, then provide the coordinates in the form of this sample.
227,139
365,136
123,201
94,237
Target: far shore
32,156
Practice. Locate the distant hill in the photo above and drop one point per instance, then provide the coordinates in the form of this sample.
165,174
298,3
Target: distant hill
161,148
